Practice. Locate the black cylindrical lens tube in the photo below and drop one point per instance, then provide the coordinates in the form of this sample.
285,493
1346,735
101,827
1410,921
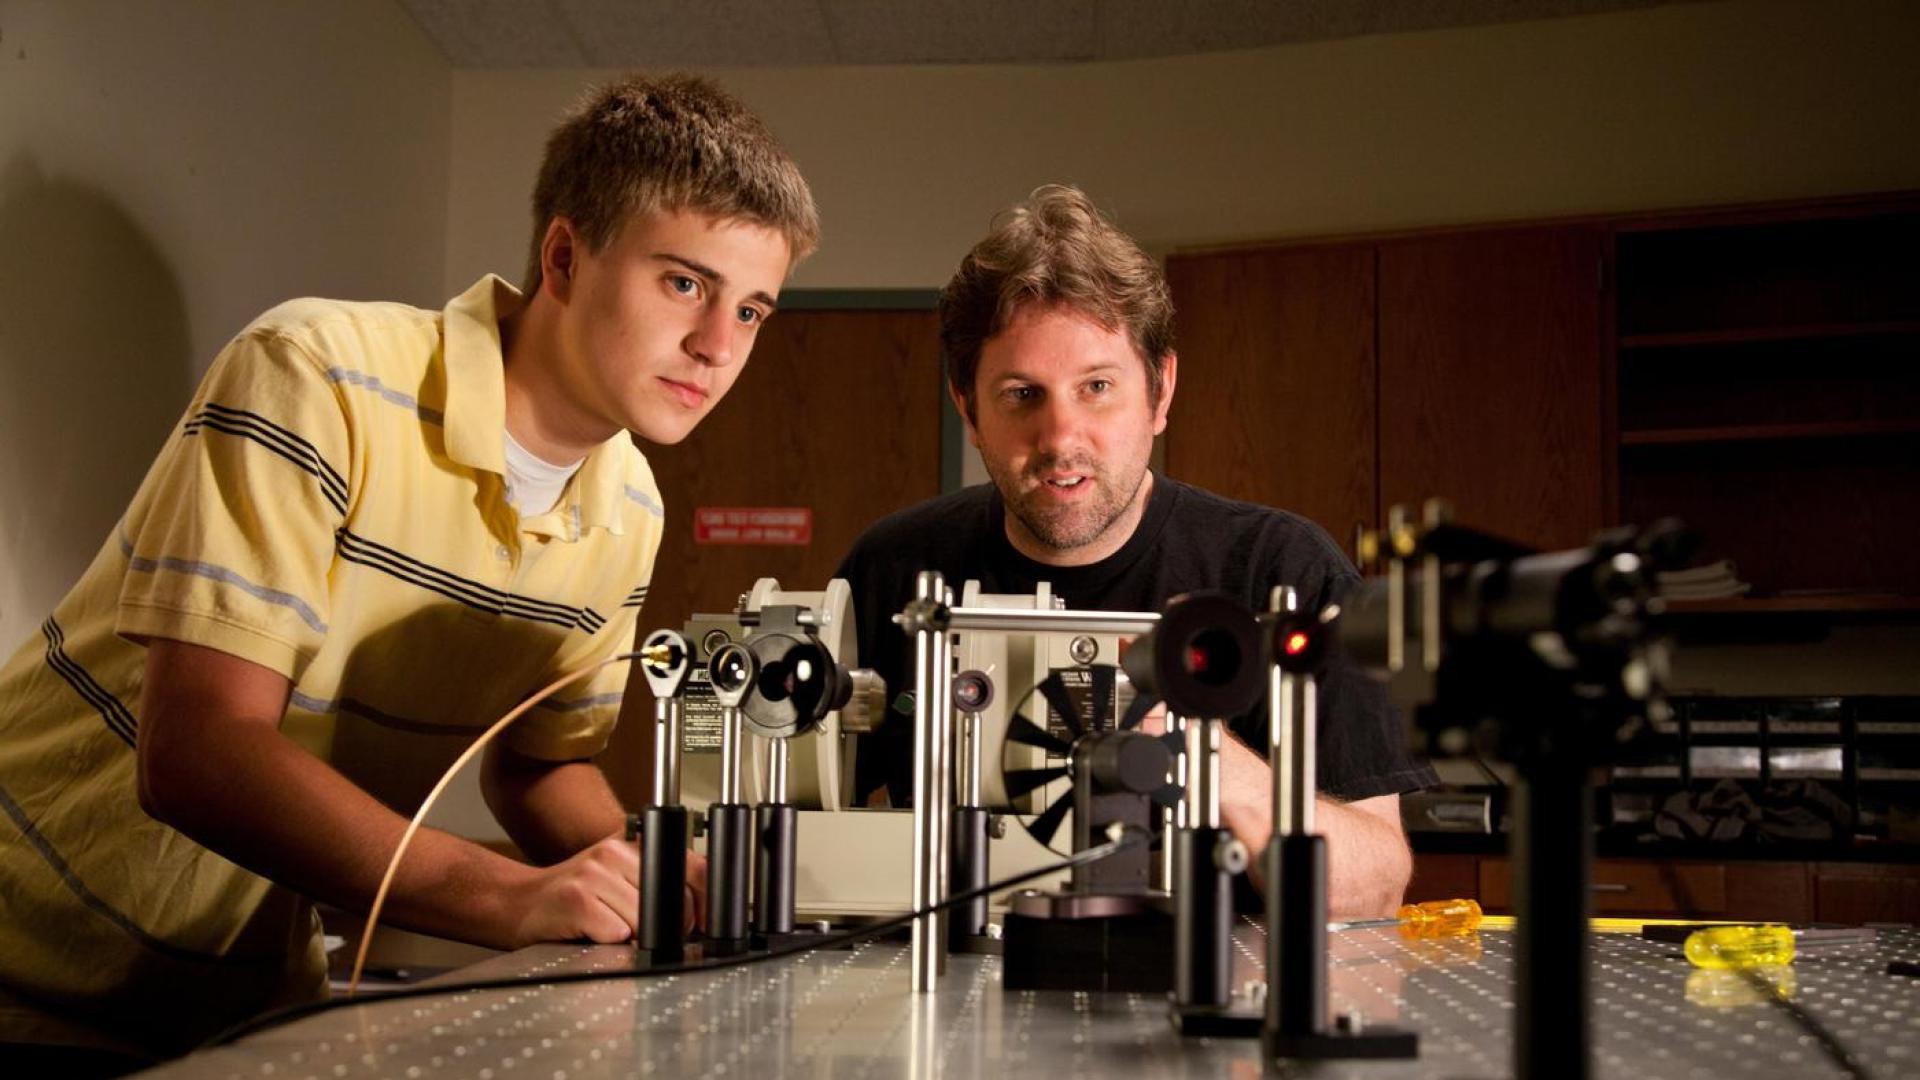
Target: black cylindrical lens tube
1203,919
729,870
775,827
1297,934
969,872
663,884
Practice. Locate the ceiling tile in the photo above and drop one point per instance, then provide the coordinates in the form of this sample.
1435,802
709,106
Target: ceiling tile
689,33
750,33
960,32
497,33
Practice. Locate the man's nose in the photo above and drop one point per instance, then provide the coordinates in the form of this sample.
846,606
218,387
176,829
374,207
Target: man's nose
712,336
1059,426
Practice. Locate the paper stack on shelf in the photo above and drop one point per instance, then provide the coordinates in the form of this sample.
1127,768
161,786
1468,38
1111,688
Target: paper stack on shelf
1714,581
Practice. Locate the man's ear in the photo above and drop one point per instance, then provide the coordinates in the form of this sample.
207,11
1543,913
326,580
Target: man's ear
1168,371
559,255
960,406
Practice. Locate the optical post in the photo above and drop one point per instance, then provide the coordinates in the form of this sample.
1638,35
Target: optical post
666,659
732,670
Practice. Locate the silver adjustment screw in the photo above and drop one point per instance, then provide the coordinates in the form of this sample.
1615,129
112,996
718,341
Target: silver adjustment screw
1083,649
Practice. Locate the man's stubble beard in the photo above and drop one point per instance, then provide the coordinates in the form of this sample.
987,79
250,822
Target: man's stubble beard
1077,528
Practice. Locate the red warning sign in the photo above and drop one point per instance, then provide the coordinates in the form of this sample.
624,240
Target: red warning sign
753,525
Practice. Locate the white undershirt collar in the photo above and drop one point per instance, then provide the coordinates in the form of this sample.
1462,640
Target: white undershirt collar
533,485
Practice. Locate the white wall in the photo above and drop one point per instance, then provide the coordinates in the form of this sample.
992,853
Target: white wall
1688,104
167,171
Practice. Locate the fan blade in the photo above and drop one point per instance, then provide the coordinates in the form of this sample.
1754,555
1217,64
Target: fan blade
1048,823
1137,711
1027,733
1021,781
1102,694
1057,696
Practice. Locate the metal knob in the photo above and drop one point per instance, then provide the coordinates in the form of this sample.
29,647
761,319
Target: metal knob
866,708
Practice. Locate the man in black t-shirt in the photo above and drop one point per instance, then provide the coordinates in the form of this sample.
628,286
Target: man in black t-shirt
1058,336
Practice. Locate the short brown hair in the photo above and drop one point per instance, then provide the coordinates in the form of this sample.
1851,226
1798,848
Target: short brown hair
1054,248
671,143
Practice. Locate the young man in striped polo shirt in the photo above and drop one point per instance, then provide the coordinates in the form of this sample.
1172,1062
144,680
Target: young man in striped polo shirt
375,529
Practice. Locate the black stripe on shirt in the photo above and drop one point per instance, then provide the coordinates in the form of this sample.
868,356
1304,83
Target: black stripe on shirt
118,717
286,435
279,440
636,598
473,594
486,596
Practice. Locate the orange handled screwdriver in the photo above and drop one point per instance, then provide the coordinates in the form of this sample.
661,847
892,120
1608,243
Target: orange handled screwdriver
1439,918
1427,919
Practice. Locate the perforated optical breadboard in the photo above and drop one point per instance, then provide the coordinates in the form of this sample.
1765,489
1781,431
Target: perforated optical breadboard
849,1016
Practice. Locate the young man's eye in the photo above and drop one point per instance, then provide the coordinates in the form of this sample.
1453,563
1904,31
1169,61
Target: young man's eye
1099,386
750,316
1022,394
683,284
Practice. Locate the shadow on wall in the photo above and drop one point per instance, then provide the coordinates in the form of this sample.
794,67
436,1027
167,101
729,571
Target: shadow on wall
95,366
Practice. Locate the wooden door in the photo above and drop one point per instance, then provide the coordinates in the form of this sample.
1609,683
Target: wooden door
1490,379
1275,397
839,412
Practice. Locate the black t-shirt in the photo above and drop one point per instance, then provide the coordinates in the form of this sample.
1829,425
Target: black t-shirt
1188,540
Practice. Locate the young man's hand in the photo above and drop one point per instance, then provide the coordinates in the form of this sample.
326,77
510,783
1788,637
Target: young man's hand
558,811
593,895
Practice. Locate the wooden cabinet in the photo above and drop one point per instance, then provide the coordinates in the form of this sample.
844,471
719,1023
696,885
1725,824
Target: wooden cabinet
1751,371
1276,398
1336,380
1443,877
1490,380
1865,892
1769,395
1849,893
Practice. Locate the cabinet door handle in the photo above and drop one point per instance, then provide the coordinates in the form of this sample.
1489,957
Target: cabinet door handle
1602,886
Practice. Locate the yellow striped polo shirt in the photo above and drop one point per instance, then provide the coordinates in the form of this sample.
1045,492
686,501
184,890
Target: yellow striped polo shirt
332,506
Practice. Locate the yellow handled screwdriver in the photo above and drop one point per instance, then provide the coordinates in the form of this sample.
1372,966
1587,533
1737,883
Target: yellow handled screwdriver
1730,948
1744,945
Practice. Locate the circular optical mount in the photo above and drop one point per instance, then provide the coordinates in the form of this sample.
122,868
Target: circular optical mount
666,659
796,684
1298,640
1204,659
731,670
972,691
711,641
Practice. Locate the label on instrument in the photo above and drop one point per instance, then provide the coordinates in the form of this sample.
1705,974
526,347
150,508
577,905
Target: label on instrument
1079,685
699,715
769,525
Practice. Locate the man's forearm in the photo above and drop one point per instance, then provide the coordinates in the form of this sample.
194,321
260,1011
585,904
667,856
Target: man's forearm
551,809
211,762
260,800
1368,863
